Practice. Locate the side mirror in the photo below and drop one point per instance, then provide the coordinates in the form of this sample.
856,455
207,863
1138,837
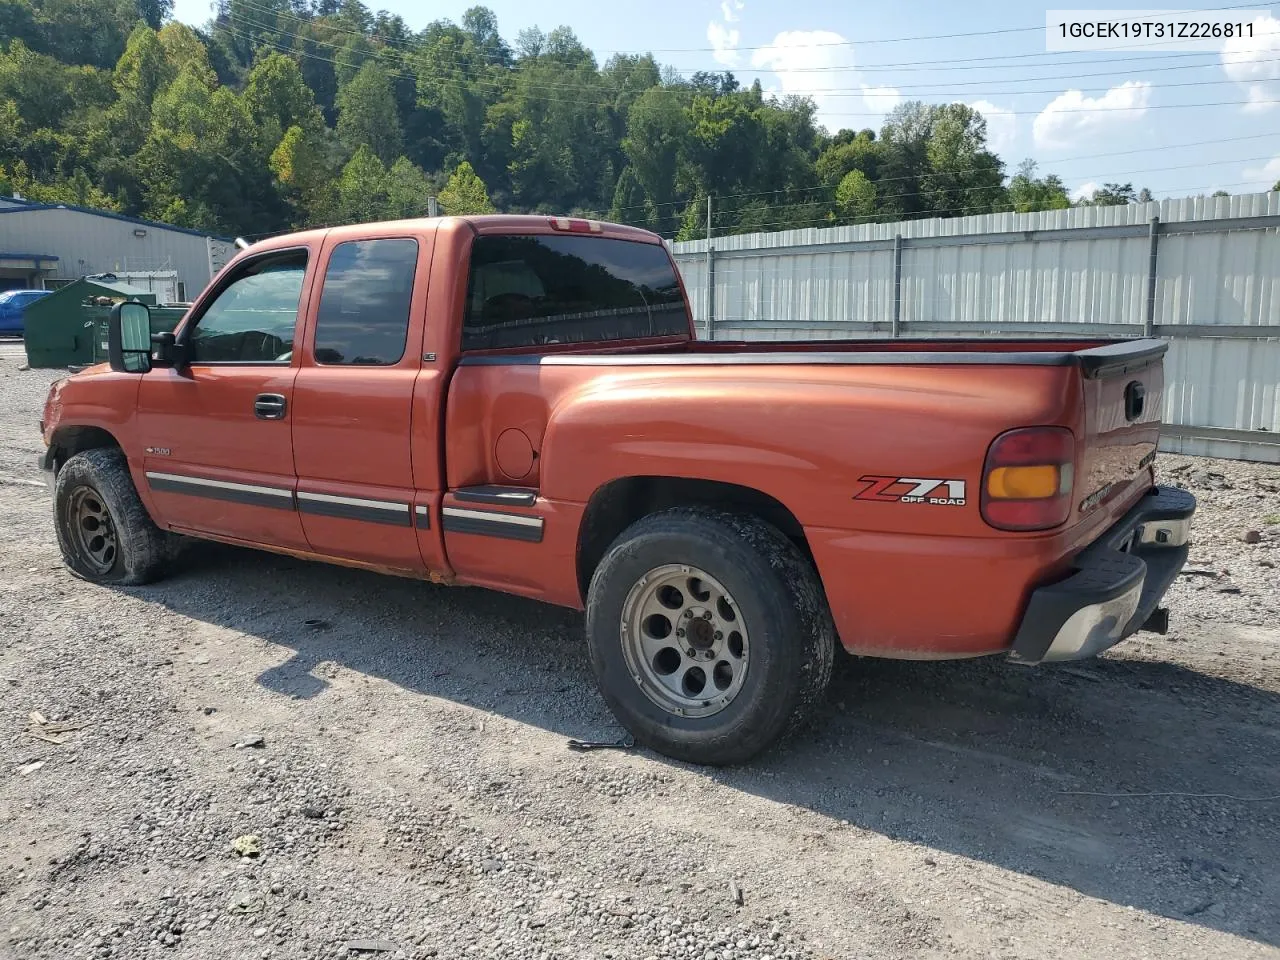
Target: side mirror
129,337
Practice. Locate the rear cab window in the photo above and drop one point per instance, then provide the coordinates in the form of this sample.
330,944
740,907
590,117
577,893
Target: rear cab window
528,291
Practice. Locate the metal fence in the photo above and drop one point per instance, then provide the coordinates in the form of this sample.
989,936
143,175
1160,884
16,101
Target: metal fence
1203,273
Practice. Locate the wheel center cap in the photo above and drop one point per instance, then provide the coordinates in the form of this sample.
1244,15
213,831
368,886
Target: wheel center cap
700,634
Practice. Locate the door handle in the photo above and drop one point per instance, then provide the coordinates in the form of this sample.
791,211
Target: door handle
269,406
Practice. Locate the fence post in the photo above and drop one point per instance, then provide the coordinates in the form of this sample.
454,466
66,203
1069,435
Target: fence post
711,279
1149,322
897,285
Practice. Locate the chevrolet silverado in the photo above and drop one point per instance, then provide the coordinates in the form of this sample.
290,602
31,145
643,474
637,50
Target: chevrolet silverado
520,403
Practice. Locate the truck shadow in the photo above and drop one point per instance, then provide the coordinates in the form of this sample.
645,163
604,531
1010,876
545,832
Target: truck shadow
975,759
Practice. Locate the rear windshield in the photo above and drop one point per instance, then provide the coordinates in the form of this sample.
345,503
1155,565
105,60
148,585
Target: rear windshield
527,291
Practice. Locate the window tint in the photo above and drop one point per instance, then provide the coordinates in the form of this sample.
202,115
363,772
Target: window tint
252,320
569,289
364,308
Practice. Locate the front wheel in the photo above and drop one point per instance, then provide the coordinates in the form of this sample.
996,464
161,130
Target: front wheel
709,634
104,531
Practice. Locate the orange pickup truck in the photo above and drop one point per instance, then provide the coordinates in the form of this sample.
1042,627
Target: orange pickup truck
520,403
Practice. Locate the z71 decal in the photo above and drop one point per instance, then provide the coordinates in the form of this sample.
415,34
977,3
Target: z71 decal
941,493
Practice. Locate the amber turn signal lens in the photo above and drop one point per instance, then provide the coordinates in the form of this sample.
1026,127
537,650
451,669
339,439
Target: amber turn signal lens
1023,483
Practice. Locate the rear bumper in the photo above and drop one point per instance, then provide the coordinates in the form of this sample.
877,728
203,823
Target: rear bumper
1117,585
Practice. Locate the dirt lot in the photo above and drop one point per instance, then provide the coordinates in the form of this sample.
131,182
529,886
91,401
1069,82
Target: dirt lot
413,786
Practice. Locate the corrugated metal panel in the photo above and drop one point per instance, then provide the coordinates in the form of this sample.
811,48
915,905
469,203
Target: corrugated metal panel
809,284
87,244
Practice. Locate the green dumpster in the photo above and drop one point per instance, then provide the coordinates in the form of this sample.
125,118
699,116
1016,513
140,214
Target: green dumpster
69,327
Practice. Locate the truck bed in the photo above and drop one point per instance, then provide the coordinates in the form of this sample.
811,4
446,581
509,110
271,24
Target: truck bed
1095,357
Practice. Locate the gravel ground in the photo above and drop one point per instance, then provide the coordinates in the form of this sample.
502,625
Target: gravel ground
410,793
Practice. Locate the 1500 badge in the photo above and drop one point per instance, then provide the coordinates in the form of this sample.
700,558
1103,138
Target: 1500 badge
941,493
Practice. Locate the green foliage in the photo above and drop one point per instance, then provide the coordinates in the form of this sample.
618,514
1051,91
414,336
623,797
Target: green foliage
465,193
367,114
277,99
362,188
856,197
407,190
1111,195
289,113
1028,194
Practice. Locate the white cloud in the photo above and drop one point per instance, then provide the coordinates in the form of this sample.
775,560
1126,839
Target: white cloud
1266,175
729,9
1085,190
1072,116
792,57
879,100
1254,63
1002,125
724,44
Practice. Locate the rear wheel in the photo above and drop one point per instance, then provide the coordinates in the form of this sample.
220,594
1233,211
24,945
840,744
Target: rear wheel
709,634
104,532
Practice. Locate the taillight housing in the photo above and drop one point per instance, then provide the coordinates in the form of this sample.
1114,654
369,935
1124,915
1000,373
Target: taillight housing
575,225
1028,478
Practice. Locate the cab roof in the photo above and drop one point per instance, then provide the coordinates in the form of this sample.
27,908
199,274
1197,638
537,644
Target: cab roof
481,224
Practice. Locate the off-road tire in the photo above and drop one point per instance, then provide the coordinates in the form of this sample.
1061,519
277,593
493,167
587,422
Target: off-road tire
780,597
143,552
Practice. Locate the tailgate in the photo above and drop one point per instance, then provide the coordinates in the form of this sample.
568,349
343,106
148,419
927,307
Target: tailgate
1123,388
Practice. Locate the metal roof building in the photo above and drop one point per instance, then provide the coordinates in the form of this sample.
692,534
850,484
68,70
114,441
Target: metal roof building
42,244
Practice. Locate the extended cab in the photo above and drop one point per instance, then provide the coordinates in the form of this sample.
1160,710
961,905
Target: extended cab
520,403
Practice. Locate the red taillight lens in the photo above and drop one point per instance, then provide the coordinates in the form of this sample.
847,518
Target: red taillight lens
1028,478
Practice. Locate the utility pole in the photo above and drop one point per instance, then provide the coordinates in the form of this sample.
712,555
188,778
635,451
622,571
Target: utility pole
711,279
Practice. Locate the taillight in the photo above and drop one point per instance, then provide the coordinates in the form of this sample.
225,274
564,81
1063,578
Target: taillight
575,225
1028,477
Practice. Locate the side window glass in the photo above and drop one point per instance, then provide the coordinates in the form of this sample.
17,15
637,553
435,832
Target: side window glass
364,308
253,319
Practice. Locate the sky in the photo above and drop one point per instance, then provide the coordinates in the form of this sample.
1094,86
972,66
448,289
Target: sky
1180,122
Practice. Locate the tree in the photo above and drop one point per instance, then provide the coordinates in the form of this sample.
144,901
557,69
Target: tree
303,172
362,188
656,140
1275,187
407,190
367,114
155,12
277,99
856,197
1028,193
465,193
861,152
962,176
295,112
1111,195
629,202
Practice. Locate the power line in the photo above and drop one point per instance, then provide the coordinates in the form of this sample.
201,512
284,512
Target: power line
1152,106
987,62
858,91
862,114
914,39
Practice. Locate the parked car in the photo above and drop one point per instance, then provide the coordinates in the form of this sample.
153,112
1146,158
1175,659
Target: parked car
12,303
520,403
